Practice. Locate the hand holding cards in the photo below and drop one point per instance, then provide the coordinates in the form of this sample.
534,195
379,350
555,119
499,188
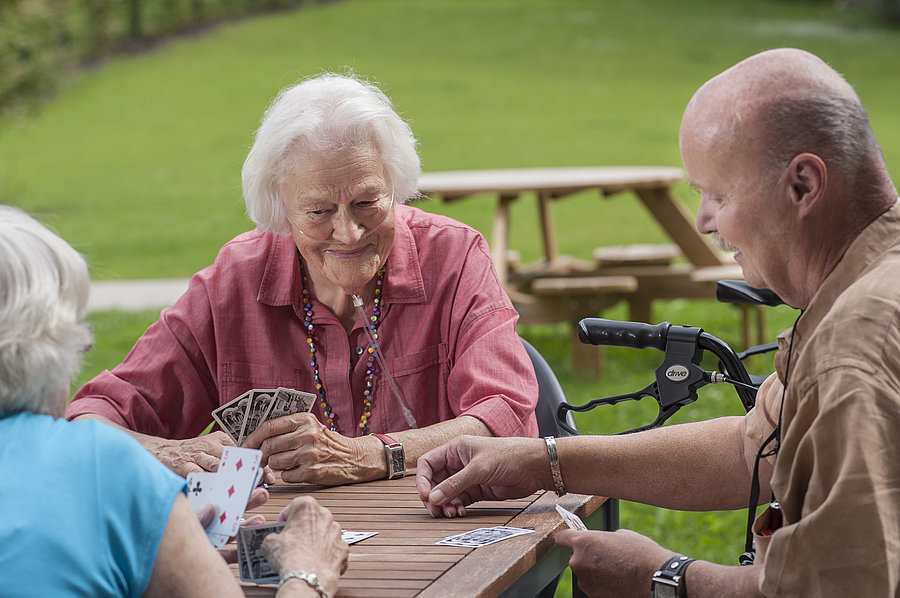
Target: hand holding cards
253,566
242,415
228,489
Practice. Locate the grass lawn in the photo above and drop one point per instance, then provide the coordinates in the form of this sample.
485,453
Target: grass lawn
137,162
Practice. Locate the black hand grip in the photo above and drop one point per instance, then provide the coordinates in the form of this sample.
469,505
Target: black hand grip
599,331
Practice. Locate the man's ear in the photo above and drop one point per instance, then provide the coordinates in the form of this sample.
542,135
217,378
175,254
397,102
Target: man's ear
807,176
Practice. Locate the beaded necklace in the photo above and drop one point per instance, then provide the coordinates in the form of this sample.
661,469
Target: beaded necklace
330,416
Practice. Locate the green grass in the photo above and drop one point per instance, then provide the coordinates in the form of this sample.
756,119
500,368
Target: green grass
137,162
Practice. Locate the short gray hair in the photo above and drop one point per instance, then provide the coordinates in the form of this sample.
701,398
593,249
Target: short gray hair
325,112
44,288
833,126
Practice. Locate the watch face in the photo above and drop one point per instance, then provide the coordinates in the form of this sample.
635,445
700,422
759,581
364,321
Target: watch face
663,590
397,461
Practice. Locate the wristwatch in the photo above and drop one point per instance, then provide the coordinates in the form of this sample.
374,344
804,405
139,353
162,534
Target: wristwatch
396,458
666,582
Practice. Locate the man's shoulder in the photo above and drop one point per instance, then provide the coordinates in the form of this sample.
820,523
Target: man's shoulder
864,321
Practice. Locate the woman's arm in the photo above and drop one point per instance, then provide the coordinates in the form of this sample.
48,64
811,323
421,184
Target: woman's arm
186,564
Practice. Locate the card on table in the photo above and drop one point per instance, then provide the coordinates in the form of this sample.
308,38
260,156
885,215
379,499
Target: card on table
571,519
483,536
235,479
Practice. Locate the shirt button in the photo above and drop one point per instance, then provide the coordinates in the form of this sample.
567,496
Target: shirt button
359,350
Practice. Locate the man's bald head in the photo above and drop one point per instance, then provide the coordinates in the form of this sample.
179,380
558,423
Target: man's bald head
780,103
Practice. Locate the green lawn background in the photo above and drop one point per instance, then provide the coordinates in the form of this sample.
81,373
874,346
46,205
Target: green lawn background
137,162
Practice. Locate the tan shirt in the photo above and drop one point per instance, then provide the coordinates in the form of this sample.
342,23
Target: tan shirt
837,475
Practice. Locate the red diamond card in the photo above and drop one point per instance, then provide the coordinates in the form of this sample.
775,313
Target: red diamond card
235,480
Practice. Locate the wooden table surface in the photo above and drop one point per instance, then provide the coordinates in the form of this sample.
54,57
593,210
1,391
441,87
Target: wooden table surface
403,560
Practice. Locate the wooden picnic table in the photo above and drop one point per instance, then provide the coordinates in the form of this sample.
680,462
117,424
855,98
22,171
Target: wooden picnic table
563,288
402,560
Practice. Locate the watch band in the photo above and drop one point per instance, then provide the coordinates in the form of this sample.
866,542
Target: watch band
396,458
667,581
310,579
554,466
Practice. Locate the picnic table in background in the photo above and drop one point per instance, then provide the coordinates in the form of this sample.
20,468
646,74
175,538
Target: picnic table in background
560,288
402,560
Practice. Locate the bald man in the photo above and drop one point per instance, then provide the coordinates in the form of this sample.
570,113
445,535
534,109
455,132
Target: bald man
793,182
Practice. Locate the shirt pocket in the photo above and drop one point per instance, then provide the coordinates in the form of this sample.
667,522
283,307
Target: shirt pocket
237,378
422,379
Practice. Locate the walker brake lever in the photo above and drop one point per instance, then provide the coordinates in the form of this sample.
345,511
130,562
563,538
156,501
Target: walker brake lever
677,378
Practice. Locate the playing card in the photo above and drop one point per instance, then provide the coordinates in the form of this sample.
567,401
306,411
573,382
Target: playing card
354,537
235,479
288,401
200,486
252,565
230,416
571,519
260,404
483,536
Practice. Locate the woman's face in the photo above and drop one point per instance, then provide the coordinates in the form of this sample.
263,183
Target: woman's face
340,208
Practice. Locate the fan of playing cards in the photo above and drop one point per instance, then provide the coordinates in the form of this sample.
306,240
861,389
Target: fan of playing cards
242,415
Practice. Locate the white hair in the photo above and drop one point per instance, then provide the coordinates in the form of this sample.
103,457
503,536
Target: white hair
325,112
44,288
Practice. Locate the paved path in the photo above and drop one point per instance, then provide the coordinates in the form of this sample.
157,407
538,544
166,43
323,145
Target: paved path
133,295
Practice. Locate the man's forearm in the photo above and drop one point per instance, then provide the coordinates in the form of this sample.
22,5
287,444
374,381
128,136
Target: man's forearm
695,466
709,580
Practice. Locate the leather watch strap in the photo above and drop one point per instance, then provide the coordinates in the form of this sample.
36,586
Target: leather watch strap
670,575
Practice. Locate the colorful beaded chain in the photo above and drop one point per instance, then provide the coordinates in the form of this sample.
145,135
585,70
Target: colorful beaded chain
330,416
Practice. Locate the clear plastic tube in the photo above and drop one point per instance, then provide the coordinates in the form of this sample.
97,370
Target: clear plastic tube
407,414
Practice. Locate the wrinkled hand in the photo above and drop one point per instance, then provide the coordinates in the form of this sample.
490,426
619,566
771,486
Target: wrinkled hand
613,564
472,468
258,498
193,454
311,541
304,450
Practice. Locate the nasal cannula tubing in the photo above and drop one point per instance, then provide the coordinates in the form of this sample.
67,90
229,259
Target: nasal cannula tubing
407,414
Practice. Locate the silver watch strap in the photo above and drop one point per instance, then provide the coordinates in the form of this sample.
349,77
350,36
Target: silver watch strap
310,578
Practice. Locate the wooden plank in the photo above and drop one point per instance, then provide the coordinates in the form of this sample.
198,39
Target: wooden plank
638,254
548,232
679,224
500,236
557,181
496,566
571,285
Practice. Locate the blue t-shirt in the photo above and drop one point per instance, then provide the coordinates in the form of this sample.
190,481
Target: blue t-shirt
82,508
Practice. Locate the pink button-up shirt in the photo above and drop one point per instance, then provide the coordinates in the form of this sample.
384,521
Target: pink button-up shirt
447,333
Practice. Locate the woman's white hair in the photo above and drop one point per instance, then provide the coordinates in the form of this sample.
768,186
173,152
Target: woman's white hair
325,112
44,288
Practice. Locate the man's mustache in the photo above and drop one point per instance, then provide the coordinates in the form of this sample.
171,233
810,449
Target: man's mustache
723,244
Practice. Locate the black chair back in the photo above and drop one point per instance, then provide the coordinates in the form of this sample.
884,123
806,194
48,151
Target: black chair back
550,395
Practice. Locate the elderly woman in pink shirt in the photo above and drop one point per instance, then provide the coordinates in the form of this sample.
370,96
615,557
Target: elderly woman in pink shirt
326,183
